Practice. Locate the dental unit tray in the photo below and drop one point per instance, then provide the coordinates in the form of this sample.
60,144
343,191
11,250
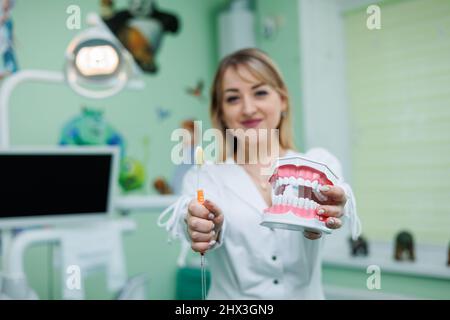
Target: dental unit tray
296,182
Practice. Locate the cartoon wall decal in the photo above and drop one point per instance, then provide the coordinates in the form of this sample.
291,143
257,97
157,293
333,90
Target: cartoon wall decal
161,186
7,52
404,246
197,90
132,174
91,129
140,28
162,113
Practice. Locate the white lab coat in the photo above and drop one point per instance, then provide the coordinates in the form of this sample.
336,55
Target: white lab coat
250,261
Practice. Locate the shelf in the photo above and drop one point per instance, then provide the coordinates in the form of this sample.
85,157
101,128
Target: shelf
144,203
430,260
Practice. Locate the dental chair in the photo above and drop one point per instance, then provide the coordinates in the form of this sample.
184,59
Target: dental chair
14,284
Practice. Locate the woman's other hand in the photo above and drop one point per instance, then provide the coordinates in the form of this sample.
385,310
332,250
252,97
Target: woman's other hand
332,209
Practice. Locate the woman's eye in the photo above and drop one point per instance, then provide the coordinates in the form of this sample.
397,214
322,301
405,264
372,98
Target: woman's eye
232,99
261,93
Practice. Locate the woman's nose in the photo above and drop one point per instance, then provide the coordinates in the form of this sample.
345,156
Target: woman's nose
249,106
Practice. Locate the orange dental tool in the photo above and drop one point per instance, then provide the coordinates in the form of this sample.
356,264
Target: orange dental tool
199,162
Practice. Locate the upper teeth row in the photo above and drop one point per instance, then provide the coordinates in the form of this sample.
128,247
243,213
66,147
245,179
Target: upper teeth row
315,185
295,201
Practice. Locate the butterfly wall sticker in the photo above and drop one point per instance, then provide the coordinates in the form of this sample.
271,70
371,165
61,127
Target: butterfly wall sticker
197,90
162,113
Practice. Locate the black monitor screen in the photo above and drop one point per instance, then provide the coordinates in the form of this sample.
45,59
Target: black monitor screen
53,184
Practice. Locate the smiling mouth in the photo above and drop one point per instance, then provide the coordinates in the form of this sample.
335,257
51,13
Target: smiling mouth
251,123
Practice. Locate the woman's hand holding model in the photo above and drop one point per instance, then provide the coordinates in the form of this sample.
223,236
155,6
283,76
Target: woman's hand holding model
333,208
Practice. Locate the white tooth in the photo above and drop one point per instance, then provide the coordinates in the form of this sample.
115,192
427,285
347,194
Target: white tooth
285,180
284,200
277,199
314,204
314,184
301,202
292,181
300,181
296,201
307,183
318,187
292,201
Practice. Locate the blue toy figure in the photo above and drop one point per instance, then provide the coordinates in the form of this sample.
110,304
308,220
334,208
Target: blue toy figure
91,129
7,39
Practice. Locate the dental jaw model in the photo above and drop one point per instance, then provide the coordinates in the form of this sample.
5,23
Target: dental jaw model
296,183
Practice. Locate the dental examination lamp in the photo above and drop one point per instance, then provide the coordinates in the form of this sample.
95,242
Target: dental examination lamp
96,66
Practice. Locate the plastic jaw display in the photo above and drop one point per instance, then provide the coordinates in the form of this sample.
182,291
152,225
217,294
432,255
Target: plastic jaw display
296,183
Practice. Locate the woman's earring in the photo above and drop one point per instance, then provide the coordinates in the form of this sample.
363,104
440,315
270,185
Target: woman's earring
283,114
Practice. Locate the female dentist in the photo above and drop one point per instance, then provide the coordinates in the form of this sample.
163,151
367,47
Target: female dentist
247,260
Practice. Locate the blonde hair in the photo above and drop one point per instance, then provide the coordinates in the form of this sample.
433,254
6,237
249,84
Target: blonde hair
260,66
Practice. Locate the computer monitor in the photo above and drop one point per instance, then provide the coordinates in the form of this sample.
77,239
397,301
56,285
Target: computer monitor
56,186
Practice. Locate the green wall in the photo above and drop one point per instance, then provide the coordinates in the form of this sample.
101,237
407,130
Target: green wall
401,119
